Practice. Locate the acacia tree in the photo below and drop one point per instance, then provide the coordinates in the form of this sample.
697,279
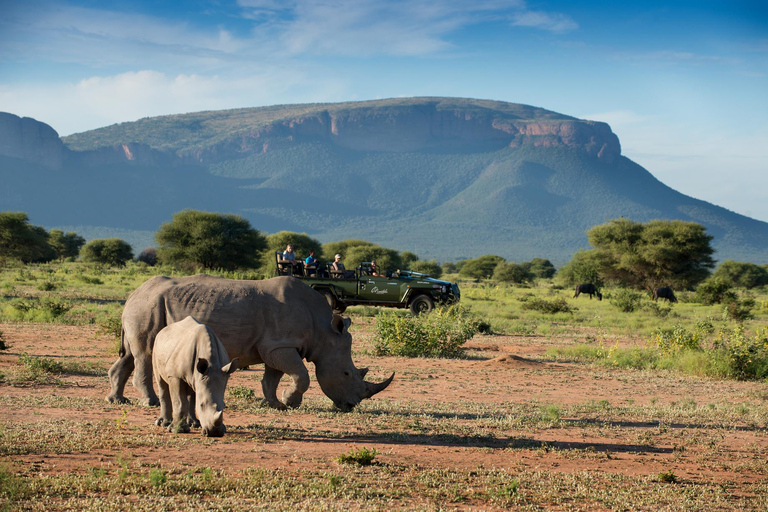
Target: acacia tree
539,267
66,245
21,240
584,268
480,268
741,274
209,240
657,253
107,251
510,272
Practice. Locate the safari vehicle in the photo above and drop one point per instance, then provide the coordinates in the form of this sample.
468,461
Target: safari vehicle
396,289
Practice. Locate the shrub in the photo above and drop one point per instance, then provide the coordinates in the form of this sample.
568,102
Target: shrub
148,256
740,356
46,286
739,310
677,339
548,306
36,309
626,300
362,456
439,334
107,251
659,310
668,477
714,291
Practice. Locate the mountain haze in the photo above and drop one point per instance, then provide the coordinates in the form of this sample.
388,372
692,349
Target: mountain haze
445,178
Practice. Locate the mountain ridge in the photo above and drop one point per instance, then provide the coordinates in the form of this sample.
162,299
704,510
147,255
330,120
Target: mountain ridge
442,177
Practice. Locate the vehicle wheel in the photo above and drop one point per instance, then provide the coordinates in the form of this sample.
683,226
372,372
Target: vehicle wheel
422,304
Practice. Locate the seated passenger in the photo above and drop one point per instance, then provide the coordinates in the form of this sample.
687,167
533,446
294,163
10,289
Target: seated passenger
338,269
374,270
310,264
289,257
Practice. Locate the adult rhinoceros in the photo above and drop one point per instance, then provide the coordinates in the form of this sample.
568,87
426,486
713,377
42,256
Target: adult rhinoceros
277,322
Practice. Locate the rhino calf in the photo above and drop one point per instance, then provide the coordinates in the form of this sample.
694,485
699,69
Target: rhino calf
191,370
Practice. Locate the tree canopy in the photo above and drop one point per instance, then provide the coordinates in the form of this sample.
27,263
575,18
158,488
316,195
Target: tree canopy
652,254
66,245
741,274
21,240
480,268
584,268
209,240
107,251
510,272
431,267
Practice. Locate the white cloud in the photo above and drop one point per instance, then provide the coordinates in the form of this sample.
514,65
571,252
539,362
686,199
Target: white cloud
554,22
100,101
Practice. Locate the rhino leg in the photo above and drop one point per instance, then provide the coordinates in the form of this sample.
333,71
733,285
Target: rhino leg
285,361
166,407
142,378
269,385
180,398
192,420
118,377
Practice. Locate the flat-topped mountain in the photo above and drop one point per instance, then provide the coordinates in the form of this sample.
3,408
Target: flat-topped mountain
442,177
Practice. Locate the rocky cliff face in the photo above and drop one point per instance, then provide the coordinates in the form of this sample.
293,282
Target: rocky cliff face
30,140
413,128
426,124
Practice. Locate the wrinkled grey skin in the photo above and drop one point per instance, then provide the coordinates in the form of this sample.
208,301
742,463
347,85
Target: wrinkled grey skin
277,322
191,369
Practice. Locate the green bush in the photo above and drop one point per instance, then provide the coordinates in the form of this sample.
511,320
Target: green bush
714,291
677,339
740,356
739,310
107,251
34,309
439,334
626,300
362,456
548,306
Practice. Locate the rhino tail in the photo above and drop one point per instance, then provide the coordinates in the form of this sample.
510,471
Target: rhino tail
121,352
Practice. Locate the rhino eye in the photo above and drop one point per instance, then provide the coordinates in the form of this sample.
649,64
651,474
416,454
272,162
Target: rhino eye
346,373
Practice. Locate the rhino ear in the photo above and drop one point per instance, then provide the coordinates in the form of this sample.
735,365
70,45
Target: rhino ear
202,366
340,323
230,368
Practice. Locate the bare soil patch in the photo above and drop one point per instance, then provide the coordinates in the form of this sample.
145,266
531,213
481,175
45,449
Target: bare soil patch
504,408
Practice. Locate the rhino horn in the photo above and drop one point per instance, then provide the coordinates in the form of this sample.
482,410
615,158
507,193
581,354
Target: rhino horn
372,388
363,372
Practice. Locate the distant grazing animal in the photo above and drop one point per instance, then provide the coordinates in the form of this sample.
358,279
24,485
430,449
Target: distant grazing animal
664,293
589,289
278,322
191,370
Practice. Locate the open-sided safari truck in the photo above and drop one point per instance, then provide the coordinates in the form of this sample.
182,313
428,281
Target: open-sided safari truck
398,289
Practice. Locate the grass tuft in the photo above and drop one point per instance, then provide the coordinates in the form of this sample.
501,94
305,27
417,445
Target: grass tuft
362,456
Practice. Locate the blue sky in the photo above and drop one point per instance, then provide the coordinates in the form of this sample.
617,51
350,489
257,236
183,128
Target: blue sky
683,84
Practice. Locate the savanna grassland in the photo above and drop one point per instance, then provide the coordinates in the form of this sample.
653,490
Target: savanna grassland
564,404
